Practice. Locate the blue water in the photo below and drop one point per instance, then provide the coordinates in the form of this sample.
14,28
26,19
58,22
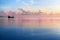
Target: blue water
11,30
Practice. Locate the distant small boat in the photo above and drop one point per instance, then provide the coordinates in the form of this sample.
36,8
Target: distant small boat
10,16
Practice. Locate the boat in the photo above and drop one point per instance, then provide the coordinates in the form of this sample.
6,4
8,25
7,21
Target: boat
10,16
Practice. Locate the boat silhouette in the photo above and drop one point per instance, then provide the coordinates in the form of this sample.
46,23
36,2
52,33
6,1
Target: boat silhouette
10,16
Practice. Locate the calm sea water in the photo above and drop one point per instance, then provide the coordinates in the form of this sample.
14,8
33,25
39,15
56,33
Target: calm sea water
22,29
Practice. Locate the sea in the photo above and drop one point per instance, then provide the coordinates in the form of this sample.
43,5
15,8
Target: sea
29,29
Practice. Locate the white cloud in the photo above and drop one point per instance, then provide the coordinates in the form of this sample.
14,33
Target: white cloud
31,2
25,4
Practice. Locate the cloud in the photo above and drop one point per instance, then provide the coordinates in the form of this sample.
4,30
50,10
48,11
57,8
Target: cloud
31,2
25,4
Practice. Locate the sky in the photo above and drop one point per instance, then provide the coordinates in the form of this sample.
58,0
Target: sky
45,5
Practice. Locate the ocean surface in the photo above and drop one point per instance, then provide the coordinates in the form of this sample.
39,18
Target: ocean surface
29,29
